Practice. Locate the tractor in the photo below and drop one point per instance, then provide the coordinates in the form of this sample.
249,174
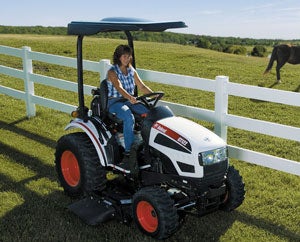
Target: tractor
182,167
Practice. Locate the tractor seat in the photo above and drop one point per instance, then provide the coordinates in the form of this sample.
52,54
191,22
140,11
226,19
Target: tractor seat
103,104
106,115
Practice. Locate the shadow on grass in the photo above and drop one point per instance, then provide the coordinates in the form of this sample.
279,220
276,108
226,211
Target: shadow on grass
213,226
44,218
297,89
28,161
271,86
268,226
257,100
38,138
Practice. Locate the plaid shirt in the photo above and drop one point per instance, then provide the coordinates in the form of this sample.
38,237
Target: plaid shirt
126,81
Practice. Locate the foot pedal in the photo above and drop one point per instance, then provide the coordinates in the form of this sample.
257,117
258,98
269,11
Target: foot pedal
111,176
92,210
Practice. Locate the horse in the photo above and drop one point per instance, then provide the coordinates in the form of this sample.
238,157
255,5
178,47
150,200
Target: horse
283,54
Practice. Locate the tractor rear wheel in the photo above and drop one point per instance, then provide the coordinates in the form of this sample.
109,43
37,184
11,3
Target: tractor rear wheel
77,165
154,212
235,192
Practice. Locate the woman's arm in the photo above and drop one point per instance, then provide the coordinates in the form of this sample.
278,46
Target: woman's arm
140,84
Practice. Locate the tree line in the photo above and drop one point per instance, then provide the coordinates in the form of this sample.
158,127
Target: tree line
233,45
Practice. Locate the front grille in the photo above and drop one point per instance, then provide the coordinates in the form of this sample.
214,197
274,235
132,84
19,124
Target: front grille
214,174
214,177
216,168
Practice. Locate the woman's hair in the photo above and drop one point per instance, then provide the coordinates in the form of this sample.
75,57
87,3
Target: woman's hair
121,50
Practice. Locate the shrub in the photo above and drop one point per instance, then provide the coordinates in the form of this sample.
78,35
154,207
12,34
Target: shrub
236,49
259,50
216,47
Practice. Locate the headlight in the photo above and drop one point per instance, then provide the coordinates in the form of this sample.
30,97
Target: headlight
213,156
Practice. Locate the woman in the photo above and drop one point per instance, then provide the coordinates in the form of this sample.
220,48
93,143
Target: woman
122,79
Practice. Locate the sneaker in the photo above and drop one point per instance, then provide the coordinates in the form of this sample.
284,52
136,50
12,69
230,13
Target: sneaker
129,161
132,160
124,164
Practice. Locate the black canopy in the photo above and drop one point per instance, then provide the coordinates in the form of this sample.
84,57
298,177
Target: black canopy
120,24
127,25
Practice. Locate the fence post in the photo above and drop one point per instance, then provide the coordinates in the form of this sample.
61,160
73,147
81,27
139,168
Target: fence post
221,106
104,66
28,85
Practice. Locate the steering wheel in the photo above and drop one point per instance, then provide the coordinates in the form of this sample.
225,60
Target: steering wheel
150,99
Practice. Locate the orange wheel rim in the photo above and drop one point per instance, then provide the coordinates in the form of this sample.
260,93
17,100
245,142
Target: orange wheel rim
70,168
147,216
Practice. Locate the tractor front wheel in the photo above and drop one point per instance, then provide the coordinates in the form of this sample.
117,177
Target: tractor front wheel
154,212
235,190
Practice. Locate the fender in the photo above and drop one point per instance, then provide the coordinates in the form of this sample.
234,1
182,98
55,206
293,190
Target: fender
90,129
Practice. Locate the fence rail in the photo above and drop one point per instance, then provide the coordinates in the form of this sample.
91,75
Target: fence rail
219,116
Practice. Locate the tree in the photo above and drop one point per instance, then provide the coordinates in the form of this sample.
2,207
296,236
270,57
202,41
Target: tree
203,43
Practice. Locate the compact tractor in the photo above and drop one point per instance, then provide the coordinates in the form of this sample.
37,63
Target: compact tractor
182,167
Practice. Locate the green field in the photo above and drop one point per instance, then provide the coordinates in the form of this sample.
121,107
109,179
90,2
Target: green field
33,206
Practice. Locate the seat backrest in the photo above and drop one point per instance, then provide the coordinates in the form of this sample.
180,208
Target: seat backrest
103,96
105,115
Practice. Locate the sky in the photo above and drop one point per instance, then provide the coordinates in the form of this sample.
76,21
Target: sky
270,19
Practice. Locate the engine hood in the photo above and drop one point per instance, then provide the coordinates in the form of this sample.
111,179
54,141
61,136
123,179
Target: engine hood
189,134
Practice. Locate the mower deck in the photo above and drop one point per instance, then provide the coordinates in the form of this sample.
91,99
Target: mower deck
93,210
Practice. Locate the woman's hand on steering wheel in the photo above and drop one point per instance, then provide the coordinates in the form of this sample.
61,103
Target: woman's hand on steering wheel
150,99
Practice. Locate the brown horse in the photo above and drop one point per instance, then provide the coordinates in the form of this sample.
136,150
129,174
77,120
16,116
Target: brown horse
283,54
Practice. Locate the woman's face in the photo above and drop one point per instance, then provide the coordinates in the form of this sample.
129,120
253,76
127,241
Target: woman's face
125,59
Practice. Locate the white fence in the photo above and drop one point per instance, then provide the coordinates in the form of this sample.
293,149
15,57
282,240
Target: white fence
220,86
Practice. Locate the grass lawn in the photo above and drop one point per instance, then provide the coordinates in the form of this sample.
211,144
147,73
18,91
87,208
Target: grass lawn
33,206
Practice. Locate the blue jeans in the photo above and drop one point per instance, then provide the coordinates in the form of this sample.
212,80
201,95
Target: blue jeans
123,111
